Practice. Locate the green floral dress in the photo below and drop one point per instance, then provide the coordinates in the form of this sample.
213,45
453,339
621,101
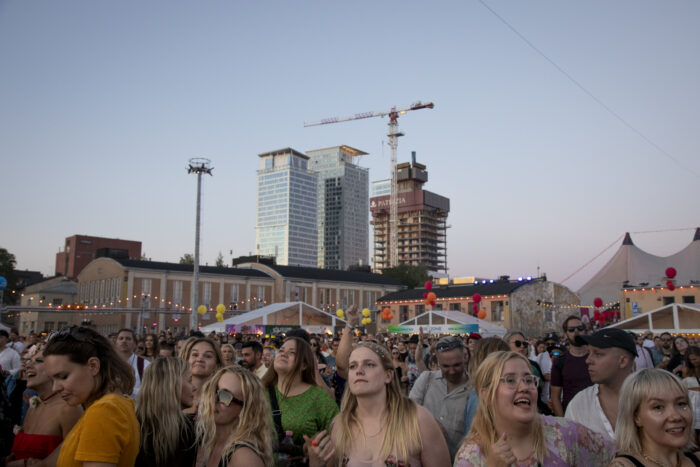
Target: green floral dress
307,413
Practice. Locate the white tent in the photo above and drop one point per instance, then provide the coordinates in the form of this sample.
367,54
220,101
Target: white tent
281,314
440,317
635,266
674,318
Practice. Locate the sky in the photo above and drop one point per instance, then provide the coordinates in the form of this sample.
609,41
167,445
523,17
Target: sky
558,125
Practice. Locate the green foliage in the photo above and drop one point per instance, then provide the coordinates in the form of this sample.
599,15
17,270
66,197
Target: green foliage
187,258
220,261
7,270
409,275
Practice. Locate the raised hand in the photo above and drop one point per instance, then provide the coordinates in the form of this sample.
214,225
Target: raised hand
320,448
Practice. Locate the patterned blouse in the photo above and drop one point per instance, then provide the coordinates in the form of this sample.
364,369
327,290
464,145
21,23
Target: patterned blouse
568,443
307,413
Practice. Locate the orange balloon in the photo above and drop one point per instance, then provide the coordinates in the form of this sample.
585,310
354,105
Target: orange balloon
431,297
482,314
386,310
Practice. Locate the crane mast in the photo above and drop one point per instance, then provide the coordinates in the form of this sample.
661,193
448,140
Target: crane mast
393,135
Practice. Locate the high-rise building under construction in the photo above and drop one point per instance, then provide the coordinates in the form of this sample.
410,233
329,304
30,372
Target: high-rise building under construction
422,220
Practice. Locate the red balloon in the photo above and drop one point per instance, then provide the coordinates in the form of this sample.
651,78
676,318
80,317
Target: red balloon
432,303
596,314
598,302
670,286
428,285
425,294
475,307
476,297
670,273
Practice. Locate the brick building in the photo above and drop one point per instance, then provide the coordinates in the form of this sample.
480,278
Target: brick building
79,250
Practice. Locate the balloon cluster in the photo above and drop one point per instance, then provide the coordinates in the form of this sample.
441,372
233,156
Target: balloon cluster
220,308
670,273
365,317
429,296
480,313
386,314
340,313
597,315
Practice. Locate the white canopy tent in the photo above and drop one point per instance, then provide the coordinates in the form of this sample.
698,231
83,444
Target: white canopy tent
439,317
281,314
674,318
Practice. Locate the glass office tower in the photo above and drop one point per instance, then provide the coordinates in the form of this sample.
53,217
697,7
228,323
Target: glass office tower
343,207
286,209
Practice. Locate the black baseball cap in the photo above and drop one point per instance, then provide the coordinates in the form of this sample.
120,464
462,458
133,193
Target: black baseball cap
551,336
606,338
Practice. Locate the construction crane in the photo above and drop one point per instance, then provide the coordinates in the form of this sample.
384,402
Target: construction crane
393,135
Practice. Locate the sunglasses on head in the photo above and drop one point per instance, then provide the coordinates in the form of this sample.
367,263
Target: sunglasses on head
225,397
77,333
519,344
443,346
580,327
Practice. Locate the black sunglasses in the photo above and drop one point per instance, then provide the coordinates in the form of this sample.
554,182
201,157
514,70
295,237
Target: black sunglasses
580,327
225,397
519,344
443,346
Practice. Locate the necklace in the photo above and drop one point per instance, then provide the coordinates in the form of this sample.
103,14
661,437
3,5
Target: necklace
44,400
381,428
659,463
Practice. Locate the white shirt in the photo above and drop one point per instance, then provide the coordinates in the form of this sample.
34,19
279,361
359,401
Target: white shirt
691,382
545,363
17,346
9,360
585,409
133,361
643,359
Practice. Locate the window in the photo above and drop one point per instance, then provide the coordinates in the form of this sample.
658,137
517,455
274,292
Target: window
497,311
455,307
669,300
177,293
57,301
420,309
689,299
206,294
48,326
403,313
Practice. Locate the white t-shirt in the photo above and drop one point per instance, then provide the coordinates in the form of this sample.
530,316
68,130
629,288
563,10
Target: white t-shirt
9,360
133,361
585,409
545,363
691,383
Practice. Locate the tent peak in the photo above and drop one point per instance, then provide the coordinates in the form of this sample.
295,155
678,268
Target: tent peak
628,239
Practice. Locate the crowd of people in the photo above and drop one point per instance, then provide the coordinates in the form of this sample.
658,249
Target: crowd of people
79,398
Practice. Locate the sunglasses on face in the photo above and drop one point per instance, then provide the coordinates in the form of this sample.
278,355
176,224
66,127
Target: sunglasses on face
443,346
520,344
580,327
225,397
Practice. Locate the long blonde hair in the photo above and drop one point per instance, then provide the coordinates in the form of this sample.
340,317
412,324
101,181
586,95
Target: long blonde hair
159,408
636,389
254,421
486,382
402,436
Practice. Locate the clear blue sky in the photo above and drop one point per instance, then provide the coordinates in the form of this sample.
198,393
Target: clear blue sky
103,102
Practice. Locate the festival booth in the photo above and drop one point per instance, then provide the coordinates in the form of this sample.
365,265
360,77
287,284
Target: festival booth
676,318
448,322
277,318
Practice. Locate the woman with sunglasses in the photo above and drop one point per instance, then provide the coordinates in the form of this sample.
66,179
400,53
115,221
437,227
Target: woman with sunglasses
654,422
205,358
48,420
234,426
306,408
86,370
377,424
508,430
401,368
167,434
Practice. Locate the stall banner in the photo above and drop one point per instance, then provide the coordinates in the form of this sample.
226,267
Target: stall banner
435,329
245,329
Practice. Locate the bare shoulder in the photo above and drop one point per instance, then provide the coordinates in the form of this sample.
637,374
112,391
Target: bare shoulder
424,415
246,456
620,462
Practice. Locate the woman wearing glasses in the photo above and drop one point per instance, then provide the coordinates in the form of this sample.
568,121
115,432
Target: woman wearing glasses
167,434
377,425
234,425
508,430
86,370
518,344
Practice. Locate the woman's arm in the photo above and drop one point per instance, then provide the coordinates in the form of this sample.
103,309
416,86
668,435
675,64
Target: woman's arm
435,452
246,456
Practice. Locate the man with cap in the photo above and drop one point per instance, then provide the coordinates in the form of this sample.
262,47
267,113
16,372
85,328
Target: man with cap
611,354
444,392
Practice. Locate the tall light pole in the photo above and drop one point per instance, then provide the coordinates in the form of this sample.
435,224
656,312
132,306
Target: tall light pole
197,165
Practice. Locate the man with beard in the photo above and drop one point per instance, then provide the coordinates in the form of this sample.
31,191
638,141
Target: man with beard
569,370
251,358
663,352
610,361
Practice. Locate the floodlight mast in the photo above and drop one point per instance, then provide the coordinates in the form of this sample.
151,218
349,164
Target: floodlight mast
199,166
393,135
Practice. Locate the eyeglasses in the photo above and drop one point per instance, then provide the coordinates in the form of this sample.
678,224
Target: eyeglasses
580,327
519,344
512,381
226,398
443,346
313,344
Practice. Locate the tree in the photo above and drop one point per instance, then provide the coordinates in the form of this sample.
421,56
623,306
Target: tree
220,261
409,275
7,270
143,257
187,258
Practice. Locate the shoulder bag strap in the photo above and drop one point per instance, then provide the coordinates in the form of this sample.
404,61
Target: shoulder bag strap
693,458
139,366
631,459
276,413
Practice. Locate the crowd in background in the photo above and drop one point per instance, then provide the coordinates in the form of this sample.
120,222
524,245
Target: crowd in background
570,397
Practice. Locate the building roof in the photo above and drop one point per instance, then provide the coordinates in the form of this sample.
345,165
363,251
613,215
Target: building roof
280,152
455,291
632,266
334,275
162,266
55,284
353,151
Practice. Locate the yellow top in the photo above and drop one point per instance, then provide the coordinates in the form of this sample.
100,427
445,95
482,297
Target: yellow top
107,432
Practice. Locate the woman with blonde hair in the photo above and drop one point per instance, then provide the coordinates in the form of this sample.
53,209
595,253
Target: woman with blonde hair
234,426
508,430
654,422
228,355
167,434
205,358
377,424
